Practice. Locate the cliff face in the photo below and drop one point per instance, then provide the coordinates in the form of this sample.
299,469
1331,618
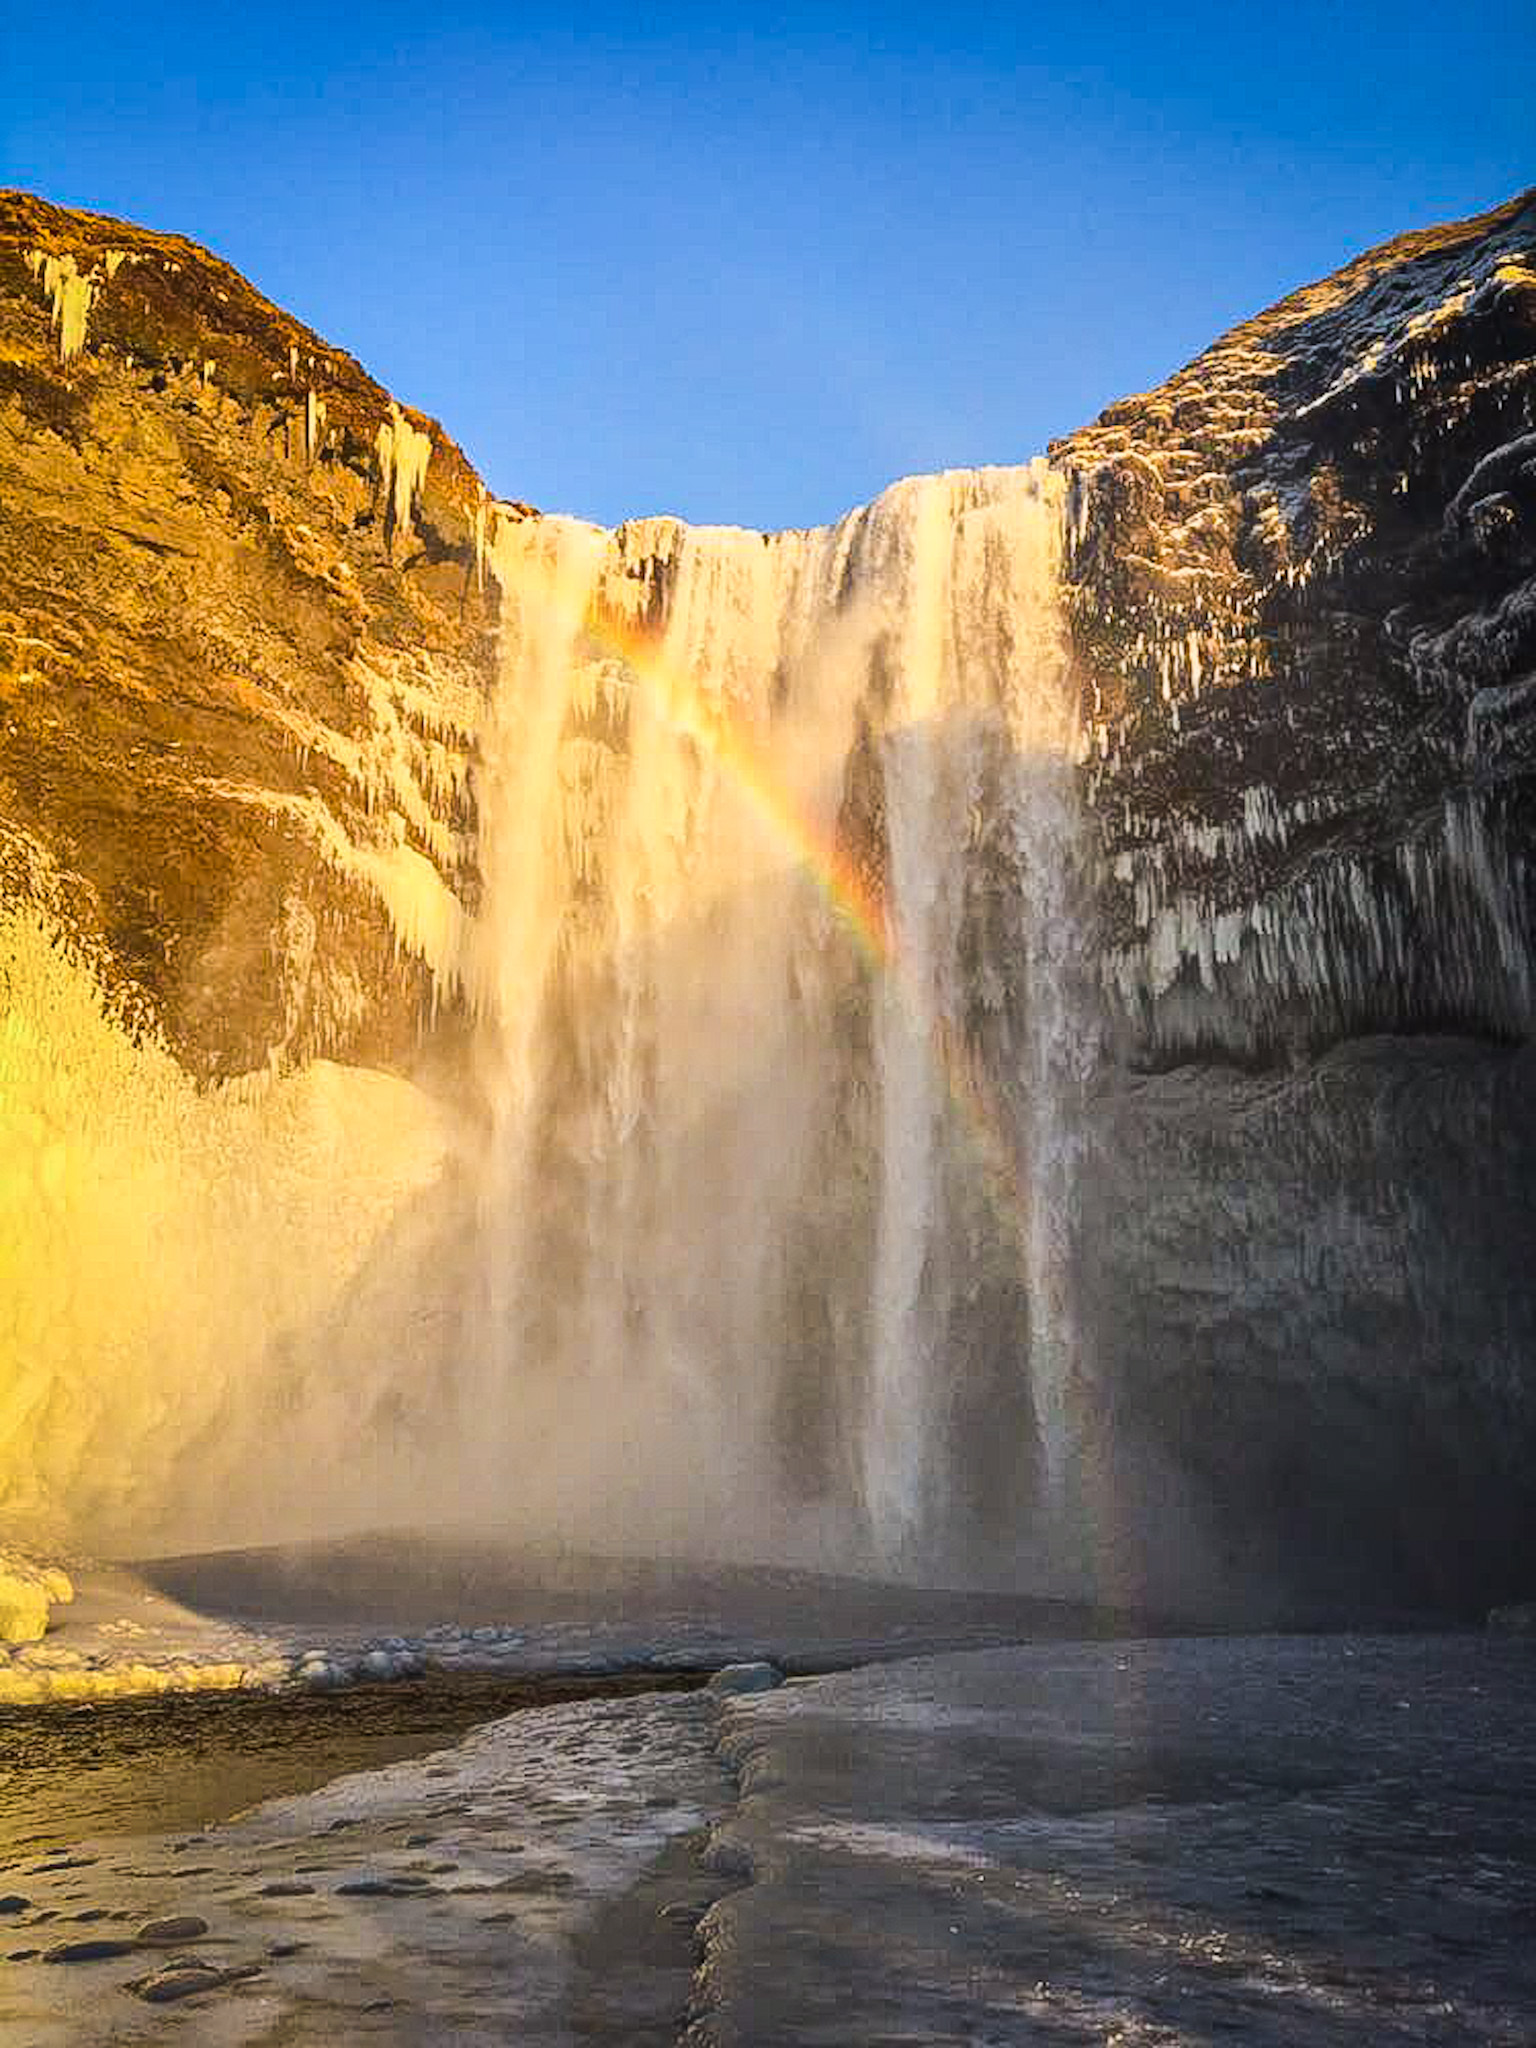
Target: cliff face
244,648
1302,588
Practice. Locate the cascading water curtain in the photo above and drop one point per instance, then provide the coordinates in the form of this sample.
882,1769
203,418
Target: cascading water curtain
781,1031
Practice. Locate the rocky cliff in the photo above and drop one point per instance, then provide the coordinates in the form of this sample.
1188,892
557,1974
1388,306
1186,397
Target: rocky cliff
1303,588
245,641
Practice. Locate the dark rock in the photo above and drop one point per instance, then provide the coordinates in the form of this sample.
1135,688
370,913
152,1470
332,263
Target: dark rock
286,1888
183,1978
403,1885
536,1881
173,1930
13,1902
683,1913
99,1949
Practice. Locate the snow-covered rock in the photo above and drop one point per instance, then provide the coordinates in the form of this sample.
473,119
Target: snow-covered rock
28,1592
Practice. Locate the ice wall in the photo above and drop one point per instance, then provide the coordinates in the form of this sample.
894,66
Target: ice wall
197,1316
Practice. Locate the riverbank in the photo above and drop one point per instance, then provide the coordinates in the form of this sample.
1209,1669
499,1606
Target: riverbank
1282,1840
422,1606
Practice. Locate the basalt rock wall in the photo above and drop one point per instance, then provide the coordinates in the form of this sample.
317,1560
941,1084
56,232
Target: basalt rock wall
1303,590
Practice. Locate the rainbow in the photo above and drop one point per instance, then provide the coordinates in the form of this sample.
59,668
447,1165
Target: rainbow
844,888
813,848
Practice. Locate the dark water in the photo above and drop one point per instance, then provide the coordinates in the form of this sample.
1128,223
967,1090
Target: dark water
180,1762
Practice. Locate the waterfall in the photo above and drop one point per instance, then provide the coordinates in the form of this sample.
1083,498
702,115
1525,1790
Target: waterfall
780,1032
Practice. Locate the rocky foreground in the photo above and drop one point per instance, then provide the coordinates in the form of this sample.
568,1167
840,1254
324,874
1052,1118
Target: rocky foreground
1313,1840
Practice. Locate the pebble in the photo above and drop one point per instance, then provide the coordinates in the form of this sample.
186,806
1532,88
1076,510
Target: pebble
401,1887
181,1979
760,1676
538,1881
177,1927
98,1950
13,1902
286,1888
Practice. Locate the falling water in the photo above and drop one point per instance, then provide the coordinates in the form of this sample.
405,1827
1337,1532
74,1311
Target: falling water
777,967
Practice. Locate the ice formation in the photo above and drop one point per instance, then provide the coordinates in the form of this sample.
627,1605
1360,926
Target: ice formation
403,453
71,295
28,1592
195,1303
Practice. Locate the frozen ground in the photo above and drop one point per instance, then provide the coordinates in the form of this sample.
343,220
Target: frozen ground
1265,1840
468,1897
1272,1840
376,1608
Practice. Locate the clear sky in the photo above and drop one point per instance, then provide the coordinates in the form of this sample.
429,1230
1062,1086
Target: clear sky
750,265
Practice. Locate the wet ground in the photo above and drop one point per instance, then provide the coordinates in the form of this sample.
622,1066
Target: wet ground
566,1605
538,1882
1271,1840
1153,1842
183,1762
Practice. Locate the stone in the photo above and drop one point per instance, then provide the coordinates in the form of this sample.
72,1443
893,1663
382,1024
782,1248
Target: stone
758,1676
183,1978
404,1885
536,1881
13,1902
683,1913
99,1949
171,1931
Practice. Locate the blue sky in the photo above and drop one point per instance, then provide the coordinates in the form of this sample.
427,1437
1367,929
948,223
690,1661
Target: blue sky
751,266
